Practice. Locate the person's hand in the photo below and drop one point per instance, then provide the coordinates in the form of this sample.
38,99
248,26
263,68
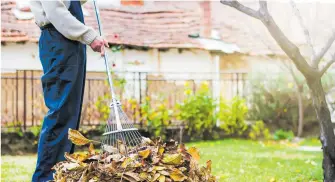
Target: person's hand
98,45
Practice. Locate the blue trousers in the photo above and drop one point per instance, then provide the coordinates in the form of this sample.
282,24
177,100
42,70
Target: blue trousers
64,67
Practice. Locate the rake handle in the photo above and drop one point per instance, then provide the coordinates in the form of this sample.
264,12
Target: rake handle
114,101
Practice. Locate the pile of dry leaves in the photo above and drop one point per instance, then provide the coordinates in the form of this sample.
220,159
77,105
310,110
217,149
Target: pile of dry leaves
153,161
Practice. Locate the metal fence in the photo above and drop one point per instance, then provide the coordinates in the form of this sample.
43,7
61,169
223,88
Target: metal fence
23,105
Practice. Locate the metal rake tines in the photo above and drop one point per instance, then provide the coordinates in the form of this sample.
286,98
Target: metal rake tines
120,140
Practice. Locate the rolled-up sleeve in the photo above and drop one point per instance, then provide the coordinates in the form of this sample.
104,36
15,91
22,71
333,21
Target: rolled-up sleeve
61,18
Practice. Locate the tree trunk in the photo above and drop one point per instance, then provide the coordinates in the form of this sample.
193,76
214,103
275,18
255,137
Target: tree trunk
327,136
301,111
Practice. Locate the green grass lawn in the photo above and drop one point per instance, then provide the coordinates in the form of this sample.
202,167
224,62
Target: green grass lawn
232,160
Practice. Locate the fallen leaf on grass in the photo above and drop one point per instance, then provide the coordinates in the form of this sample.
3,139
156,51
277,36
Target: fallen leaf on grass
194,153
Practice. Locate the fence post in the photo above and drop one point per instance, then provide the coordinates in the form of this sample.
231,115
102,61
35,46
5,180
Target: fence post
17,97
140,97
24,100
237,84
216,85
32,97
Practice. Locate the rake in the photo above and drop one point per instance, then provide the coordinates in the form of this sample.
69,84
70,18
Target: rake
120,133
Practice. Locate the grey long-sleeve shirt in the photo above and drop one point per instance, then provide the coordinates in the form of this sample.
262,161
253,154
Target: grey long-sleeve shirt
56,12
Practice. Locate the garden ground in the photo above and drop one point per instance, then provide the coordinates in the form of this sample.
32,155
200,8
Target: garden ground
232,161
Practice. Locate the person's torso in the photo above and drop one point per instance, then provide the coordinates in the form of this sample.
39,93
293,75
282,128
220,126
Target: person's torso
40,15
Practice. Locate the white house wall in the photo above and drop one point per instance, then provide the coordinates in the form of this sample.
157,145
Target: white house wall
25,57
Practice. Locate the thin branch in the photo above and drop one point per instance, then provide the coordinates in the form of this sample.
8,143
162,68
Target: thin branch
325,68
323,51
291,50
263,6
306,32
242,8
290,69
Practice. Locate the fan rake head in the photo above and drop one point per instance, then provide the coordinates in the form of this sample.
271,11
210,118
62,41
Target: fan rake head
120,135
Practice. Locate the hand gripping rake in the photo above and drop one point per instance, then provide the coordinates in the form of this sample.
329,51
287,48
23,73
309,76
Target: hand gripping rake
120,132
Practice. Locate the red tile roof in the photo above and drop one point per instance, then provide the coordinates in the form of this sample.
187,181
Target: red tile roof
157,25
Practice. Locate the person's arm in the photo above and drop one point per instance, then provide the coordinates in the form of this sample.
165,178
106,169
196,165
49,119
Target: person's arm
61,18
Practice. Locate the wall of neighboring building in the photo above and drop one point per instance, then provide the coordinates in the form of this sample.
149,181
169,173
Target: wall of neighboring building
25,57
249,63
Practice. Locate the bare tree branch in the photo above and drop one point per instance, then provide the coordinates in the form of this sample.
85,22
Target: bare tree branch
291,50
290,69
263,6
242,8
323,51
325,68
306,32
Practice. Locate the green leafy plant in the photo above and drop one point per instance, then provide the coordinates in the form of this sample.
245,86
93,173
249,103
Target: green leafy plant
275,102
155,119
15,127
103,103
232,116
197,111
283,135
35,130
259,131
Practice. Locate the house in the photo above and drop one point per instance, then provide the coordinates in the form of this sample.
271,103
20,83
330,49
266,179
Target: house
168,43
161,46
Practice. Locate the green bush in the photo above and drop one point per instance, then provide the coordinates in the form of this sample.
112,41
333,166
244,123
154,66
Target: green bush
232,116
15,127
283,135
36,130
155,119
274,101
259,131
197,112
103,103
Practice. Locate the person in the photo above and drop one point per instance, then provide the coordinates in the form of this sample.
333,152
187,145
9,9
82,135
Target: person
62,51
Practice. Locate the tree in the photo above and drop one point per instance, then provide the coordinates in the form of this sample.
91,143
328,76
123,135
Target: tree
311,73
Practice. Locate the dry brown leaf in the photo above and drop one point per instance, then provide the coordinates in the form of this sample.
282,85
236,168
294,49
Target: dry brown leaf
160,150
83,177
144,175
158,168
177,175
156,176
80,156
144,153
110,149
134,176
121,147
165,173
126,162
182,169
209,166
77,138
155,162
62,180
194,153
91,149
173,159
161,178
